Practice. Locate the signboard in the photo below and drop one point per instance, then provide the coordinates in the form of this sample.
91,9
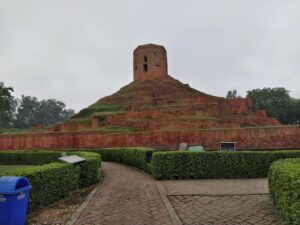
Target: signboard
198,148
183,146
72,159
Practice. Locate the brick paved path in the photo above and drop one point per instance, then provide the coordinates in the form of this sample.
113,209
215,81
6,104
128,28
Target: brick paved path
222,202
226,210
126,197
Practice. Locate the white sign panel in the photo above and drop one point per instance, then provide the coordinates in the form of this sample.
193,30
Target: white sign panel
72,159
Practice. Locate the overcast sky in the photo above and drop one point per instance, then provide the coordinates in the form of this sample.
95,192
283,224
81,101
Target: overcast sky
79,51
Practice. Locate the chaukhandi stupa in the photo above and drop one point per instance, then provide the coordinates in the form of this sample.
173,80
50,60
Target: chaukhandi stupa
159,111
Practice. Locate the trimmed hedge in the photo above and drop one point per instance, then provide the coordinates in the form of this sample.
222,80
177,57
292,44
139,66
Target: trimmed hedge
28,157
53,181
284,185
139,157
89,169
50,182
215,165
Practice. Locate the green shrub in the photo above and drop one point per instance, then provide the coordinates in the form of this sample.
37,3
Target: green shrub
50,182
215,165
89,169
284,185
28,157
55,179
139,157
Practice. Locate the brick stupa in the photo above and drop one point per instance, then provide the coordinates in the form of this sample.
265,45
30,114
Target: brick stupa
155,101
159,111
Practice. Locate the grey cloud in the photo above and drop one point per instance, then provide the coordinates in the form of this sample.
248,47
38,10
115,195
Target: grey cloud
79,51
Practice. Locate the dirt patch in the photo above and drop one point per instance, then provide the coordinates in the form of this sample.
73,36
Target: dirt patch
60,212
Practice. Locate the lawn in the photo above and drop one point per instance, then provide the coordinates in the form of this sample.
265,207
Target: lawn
10,168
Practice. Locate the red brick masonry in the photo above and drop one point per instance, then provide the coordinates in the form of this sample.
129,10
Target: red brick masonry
285,137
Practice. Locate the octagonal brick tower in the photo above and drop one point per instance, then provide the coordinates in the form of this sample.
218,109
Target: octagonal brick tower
149,61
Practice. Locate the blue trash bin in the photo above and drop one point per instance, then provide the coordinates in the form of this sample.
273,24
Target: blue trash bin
14,192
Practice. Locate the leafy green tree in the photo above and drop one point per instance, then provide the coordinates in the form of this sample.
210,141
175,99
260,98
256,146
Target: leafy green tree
51,111
31,112
293,112
276,102
7,106
27,110
232,94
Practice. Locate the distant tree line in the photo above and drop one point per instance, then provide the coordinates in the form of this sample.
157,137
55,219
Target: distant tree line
276,101
28,111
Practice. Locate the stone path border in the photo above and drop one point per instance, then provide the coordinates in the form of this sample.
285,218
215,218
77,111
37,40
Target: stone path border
78,212
216,186
172,213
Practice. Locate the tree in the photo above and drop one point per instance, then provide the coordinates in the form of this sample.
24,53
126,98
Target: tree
276,101
293,112
232,94
27,110
7,106
52,111
298,114
31,112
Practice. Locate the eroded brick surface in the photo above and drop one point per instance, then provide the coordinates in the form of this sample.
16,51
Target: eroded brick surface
226,210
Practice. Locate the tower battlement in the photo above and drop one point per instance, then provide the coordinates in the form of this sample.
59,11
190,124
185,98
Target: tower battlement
149,61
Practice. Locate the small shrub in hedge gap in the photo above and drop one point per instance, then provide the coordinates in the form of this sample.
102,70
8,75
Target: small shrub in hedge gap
284,185
139,157
215,165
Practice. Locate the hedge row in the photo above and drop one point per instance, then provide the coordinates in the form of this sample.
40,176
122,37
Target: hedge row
50,182
55,180
215,165
90,170
284,185
28,158
139,157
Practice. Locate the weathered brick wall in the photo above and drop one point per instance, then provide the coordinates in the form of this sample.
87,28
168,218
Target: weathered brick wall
249,138
154,57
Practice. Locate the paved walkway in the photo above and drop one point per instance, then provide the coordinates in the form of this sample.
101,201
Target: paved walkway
228,210
128,196
222,201
216,187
